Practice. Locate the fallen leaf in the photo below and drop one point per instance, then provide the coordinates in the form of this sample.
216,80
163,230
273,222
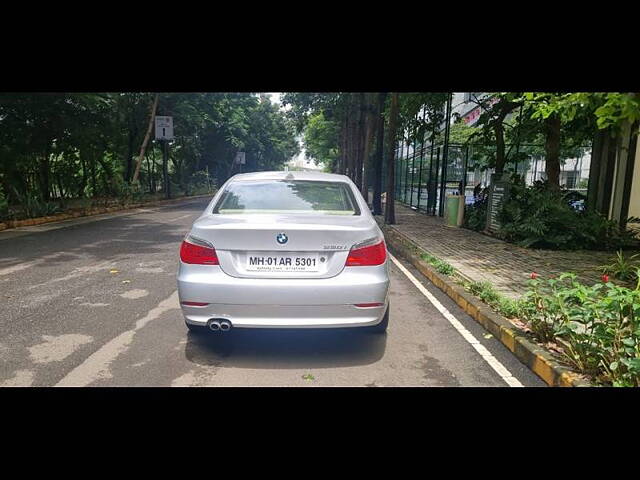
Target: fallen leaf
308,377
487,335
126,281
113,271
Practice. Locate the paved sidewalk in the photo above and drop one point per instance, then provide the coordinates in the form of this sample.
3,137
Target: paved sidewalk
483,258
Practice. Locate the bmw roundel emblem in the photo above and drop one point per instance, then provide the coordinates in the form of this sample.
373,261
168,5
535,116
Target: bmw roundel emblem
281,238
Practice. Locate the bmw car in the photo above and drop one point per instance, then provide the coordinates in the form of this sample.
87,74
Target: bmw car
285,250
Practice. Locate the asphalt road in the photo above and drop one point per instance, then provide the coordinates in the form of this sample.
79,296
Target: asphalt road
93,301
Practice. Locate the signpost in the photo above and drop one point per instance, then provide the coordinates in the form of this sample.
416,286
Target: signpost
164,128
164,133
498,193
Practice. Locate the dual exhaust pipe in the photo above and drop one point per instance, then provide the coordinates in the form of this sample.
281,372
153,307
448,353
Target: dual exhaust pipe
219,325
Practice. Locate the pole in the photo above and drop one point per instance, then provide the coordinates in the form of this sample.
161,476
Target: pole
165,168
445,157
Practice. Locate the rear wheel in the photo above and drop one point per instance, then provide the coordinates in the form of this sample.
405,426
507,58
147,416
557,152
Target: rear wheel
196,328
382,326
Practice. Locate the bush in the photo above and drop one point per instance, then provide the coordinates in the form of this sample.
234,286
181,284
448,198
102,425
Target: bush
540,217
4,206
475,215
33,207
200,183
598,327
623,268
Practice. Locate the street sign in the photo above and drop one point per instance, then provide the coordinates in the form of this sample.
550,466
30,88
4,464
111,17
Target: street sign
498,193
240,158
164,128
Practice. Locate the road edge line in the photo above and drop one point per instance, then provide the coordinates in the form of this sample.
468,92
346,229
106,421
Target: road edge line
486,355
535,357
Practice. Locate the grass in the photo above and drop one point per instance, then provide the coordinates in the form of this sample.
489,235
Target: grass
439,265
489,295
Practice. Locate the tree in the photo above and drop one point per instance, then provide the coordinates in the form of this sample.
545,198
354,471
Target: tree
495,109
321,137
378,158
154,106
57,146
390,212
556,110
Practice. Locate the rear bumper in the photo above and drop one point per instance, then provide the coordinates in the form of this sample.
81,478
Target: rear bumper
284,303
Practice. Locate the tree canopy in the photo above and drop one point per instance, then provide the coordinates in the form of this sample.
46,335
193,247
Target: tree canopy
64,145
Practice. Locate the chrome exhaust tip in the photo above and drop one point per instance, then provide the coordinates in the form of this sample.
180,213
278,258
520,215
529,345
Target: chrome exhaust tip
214,325
225,325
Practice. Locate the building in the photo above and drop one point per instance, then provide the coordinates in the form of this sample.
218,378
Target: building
614,189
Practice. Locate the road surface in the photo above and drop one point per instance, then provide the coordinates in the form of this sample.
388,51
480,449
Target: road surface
93,302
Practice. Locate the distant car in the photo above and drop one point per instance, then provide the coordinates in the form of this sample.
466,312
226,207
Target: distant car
285,250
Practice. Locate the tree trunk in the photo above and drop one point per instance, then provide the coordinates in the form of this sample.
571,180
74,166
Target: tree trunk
129,154
368,138
83,183
505,107
350,138
390,211
342,159
552,150
93,176
498,129
377,168
45,189
154,107
359,141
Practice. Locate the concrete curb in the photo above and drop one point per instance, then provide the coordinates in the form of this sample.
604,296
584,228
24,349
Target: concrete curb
539,360
88,212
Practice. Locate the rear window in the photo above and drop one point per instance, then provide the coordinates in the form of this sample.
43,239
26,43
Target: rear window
282,196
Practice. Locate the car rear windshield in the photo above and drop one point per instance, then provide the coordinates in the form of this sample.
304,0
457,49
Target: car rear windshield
282,196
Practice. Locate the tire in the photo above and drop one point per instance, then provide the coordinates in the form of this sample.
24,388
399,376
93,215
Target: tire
199,329
382,326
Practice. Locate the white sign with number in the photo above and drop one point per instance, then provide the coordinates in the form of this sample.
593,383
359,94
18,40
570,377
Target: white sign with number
164,128
240,158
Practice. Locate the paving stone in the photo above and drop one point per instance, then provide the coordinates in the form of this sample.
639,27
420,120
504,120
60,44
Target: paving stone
484,258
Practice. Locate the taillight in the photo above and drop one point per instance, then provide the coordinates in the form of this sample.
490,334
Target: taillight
367,255
194,304
198,252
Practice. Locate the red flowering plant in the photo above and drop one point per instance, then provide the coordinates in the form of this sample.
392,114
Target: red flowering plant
597,326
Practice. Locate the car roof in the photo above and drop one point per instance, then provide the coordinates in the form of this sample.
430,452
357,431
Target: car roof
297,175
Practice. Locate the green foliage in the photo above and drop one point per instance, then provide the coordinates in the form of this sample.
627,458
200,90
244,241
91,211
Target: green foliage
618,108
4,205
597,326
65,146
489,295
33,206
440,266
200,183
475,215
541,217
623,268
321,138
459,133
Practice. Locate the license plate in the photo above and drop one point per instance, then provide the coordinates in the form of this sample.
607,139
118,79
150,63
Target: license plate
282,262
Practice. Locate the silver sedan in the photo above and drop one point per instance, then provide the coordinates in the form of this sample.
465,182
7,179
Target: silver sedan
285,250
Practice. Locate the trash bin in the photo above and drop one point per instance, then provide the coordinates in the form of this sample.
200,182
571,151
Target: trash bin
454,210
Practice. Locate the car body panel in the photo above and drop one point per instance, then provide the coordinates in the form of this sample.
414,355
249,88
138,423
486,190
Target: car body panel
322,298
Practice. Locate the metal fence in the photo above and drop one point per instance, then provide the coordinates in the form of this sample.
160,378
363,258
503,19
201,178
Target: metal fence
425,175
